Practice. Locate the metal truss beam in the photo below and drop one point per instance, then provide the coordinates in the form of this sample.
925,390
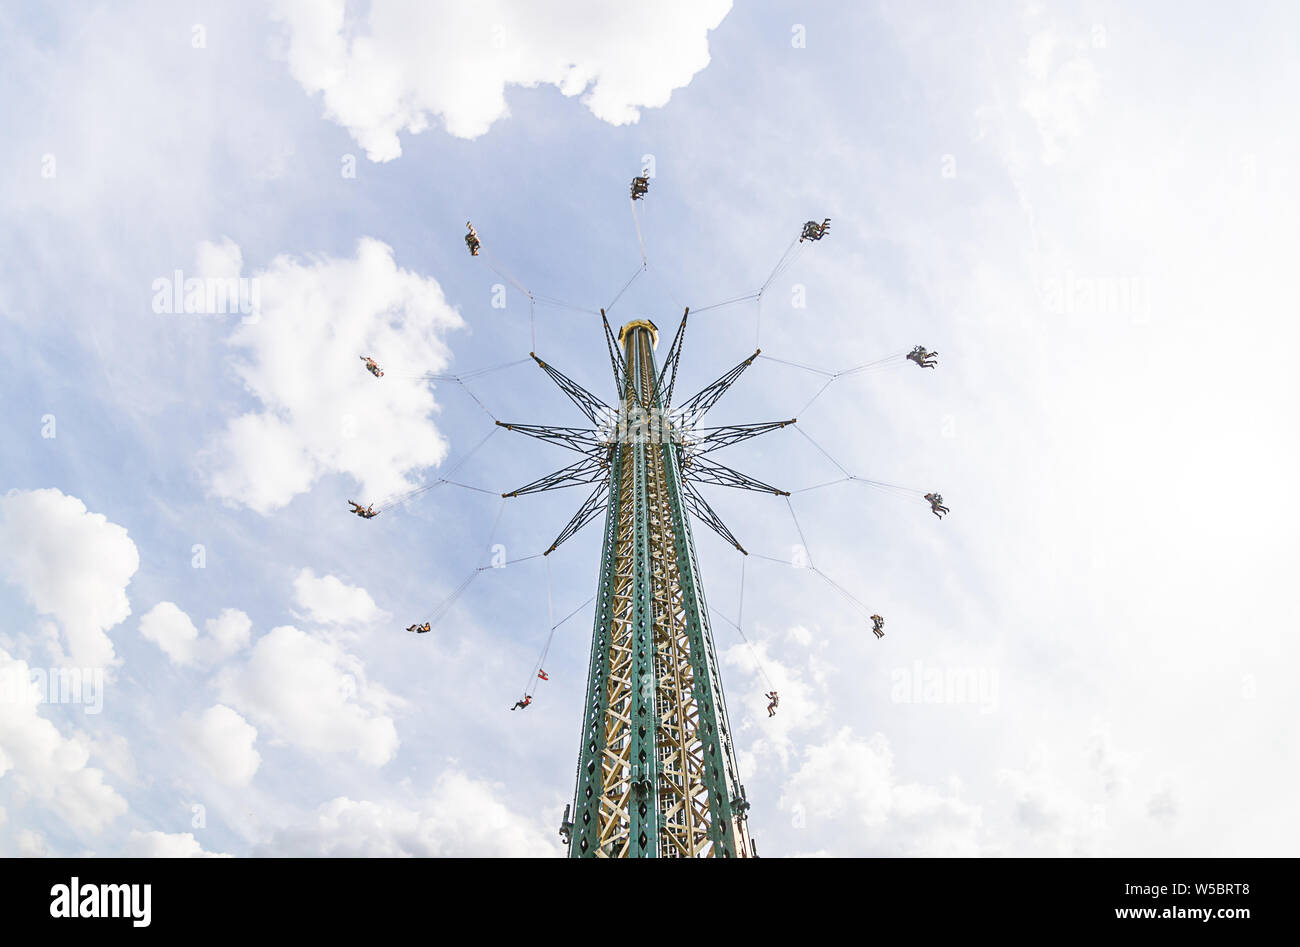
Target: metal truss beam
586,513
699,404
700,509
596,410
702,470
671,361
591,469
581,439
599,763
706,439
615,355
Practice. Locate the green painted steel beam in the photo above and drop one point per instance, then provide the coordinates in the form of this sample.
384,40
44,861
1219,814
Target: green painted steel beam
590,780
644,804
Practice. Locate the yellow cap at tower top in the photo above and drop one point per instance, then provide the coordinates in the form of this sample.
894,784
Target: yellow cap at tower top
641,324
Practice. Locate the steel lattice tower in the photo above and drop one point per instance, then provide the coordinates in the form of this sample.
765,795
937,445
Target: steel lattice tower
657,774
657,771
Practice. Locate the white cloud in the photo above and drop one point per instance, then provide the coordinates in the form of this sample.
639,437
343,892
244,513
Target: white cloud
219,260
847,779
799,635
113,753
171,630
72,564
46,765
228,632
166,845
167,626
307,691
321,412
1045,815
421,59
32,844
224,741
463,817
329,601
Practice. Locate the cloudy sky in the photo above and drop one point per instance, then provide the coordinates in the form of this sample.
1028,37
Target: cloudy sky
1087,208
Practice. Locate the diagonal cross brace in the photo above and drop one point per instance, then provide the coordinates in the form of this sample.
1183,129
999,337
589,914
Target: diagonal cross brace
615,356
587,403
702,470
591,469
707,439
584,440
700,403
701,510
671,361
589,510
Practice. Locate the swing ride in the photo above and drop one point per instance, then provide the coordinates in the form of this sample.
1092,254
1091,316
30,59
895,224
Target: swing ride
657,773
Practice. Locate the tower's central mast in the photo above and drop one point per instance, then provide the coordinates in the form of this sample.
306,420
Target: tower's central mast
657,772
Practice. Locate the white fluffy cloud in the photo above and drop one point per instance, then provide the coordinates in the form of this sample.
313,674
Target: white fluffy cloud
321,411
463,817
171,630
850,779
330,601
306,690
167,626
228,632
166,845
47,766
412,60
224,742
32,844
72,564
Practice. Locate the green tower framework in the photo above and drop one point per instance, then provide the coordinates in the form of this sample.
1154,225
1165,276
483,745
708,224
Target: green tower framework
657,773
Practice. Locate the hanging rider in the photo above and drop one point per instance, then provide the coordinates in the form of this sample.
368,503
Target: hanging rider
815,231
936,504
922,357
771,707
641,185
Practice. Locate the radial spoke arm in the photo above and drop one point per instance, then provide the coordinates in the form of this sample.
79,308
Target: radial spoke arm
615,355
699,404
702,470
595,409
590,508
581,439
671,360
707,439
590,469
701,510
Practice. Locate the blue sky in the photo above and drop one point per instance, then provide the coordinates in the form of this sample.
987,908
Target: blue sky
1086,208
